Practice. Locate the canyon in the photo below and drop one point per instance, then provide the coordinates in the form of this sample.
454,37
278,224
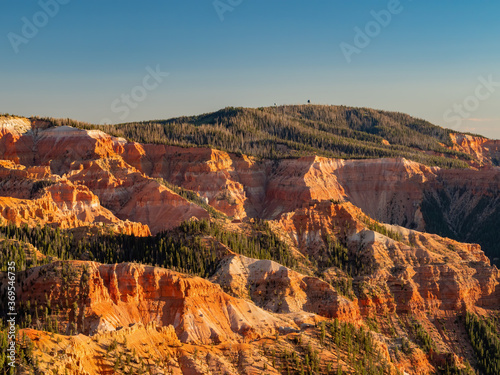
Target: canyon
378,244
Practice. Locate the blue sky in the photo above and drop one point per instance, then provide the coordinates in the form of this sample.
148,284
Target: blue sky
431,59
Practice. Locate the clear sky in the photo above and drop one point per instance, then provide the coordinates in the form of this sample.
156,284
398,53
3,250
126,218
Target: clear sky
92,60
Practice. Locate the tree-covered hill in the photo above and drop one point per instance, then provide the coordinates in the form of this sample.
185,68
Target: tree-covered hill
300,130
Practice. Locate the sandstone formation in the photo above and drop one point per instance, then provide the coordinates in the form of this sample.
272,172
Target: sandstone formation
125,294
67,206
279,289
484,150
77,354
133,196
158,319
350,267
408,272
119,172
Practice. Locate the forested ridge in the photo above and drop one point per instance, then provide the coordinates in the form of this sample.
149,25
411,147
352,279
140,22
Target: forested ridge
299,130
485,341
194,247
197,247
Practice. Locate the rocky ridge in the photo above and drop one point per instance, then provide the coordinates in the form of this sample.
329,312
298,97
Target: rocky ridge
350,266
